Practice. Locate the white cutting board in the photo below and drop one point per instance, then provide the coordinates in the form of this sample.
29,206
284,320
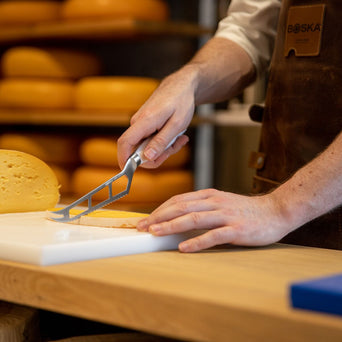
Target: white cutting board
32,238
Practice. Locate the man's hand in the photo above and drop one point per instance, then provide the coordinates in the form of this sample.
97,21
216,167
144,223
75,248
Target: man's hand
229,218
166,113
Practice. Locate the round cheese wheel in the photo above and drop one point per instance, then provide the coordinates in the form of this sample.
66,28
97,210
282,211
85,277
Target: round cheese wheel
26,183
99,151
147,186
34,93
51,148
28,12
102,151
108,218
118,94
63,175
25,61
156,10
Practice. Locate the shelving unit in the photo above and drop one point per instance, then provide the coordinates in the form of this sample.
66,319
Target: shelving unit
99,29
93,34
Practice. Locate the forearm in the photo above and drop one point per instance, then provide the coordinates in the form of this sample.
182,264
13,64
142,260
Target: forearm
313,190
220,70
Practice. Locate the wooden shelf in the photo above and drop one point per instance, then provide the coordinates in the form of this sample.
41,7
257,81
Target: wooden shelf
95,29
73,118
63,118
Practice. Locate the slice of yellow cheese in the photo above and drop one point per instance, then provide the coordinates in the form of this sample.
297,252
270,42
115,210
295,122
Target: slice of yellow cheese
36,93
117,94
26,61
108,218
28,12
26,183
156,10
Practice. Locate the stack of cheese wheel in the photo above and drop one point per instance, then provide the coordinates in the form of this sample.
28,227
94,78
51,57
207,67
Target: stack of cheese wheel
154,10
149,187
59,151
113,94
26,12
43,78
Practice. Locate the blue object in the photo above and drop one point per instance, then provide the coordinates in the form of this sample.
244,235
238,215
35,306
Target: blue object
321,294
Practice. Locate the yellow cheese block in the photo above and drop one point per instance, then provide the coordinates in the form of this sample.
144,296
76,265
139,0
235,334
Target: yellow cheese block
156,10
26,183
117,94
26,61
102,151
51,148
28,12
36,93
108,218
147,186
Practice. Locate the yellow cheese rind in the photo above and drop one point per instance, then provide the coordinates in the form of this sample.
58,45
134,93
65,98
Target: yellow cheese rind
118,94
26,183
28,12
155,10
36,94
108,218
26,61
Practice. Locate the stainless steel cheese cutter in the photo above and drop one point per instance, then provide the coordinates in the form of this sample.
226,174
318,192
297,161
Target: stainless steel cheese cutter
131,165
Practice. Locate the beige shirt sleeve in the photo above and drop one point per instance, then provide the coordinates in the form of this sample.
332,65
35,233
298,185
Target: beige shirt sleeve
253,25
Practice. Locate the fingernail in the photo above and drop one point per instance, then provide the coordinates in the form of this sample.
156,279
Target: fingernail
184,247
142,225
150,153
156,228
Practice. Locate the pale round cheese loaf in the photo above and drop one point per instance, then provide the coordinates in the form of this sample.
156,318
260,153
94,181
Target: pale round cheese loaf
102,151
26,183
29,12
36,93
156,10
51,148
117,94
147,186
26,61
108,218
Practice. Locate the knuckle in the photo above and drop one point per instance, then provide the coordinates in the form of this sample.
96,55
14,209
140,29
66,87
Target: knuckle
211,192
195,217
182,207
217,235
160,140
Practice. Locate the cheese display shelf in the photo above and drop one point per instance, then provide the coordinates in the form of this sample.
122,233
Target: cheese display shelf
62,118
75,118
99,29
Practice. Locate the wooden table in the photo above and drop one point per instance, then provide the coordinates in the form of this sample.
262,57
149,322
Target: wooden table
229,294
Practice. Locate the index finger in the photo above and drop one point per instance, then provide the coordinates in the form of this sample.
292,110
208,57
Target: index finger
130,139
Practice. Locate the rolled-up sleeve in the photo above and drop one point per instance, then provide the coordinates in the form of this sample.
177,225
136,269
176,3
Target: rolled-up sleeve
252,24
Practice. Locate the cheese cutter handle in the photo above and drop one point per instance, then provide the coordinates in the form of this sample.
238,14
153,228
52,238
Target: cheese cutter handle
131,165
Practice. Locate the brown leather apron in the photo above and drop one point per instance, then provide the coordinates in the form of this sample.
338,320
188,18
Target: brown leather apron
303,107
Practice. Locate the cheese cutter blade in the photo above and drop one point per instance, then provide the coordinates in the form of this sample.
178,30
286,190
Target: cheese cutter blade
131,165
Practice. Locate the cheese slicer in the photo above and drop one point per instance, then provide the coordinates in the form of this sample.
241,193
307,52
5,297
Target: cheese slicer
136,159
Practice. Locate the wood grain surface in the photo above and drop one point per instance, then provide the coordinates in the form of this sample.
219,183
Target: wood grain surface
227,294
